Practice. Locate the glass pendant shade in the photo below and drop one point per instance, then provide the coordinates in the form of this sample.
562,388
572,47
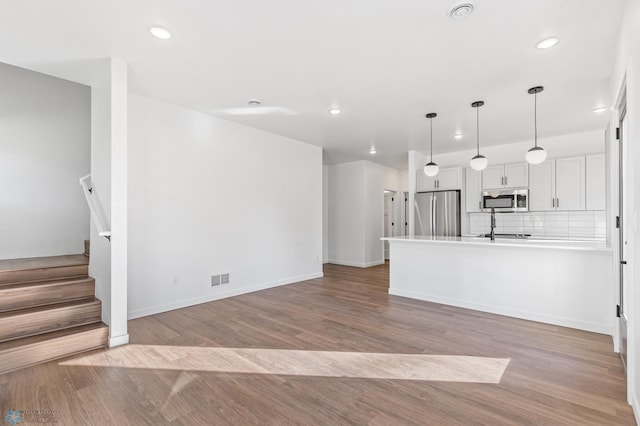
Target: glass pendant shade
536,155
431,169
479,162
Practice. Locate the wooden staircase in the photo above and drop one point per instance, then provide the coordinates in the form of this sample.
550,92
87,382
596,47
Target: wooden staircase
47,310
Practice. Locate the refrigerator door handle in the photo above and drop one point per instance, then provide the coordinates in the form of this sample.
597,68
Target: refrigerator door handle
433,217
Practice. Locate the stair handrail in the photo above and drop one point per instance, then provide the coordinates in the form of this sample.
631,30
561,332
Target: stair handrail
94,208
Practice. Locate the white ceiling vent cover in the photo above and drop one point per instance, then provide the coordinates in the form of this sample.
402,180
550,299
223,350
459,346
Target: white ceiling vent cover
461,10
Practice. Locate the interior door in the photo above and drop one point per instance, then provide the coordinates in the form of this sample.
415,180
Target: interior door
406,213
388,220
622,229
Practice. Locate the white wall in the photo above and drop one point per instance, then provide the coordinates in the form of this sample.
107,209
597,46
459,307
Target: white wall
627,68
325,214
346,214
207,196
44,150
375,179
356,211
100,260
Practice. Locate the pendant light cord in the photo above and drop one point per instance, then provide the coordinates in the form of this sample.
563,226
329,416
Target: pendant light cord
478,129
431,145
535,118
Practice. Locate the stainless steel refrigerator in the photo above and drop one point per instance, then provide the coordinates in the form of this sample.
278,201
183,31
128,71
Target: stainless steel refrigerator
438,213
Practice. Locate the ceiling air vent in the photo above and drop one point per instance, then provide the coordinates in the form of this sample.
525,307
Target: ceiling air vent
461,10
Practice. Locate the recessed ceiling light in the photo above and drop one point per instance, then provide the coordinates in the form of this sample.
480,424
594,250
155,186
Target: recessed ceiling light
458,135
334,111
461,10
599,109
160,33
372,151
547,43
254,102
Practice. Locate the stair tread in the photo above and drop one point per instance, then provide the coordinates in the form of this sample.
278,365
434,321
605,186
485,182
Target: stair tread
52,307
44,283
8,265
41,338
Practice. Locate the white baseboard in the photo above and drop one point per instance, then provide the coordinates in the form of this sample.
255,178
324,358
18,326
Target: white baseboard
356,264
152,310
114,341
635,405
564,322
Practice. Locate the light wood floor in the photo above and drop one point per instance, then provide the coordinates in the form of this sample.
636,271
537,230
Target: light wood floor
322,352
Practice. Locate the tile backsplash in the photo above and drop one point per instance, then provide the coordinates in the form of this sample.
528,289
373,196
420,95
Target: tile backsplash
569,224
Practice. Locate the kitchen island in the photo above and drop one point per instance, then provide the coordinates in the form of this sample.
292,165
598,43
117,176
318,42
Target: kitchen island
567,283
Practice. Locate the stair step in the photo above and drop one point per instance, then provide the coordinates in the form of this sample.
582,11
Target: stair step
34,350
41,293
39,320
87,248
43,268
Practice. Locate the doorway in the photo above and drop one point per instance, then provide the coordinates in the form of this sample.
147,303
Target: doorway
389,222
621,223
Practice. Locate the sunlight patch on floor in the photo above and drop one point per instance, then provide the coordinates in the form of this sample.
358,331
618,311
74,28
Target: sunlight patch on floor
442,368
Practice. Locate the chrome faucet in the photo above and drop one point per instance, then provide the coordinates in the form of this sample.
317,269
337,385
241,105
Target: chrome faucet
493,224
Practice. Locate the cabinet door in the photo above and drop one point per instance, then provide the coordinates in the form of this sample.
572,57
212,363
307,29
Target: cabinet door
492,177
424,182
449,179
472,190
595,184
516,175
570,183
542,186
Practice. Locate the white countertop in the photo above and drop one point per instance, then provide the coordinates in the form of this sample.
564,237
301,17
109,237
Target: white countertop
596,246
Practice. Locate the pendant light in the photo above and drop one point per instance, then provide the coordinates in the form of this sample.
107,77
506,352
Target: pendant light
431,168
537,154
479,162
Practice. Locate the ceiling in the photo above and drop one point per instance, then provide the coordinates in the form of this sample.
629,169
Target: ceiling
384,63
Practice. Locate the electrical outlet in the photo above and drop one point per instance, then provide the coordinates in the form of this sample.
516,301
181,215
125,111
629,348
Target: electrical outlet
224,278
215,280
176,280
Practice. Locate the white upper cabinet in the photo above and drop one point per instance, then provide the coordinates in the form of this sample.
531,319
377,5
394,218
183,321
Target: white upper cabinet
472,190
493,177
516,175
570,183
446,179
557,185
542,186
595,172
506,176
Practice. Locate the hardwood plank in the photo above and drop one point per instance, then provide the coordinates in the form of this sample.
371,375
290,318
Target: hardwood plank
43,268
26,295
17,354
555,375
39,320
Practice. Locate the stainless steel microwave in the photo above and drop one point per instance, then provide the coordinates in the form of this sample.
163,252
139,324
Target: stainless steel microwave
512,200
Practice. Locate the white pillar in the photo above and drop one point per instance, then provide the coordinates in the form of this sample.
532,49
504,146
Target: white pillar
118,334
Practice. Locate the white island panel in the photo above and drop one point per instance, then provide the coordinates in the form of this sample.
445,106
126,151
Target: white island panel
564,285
